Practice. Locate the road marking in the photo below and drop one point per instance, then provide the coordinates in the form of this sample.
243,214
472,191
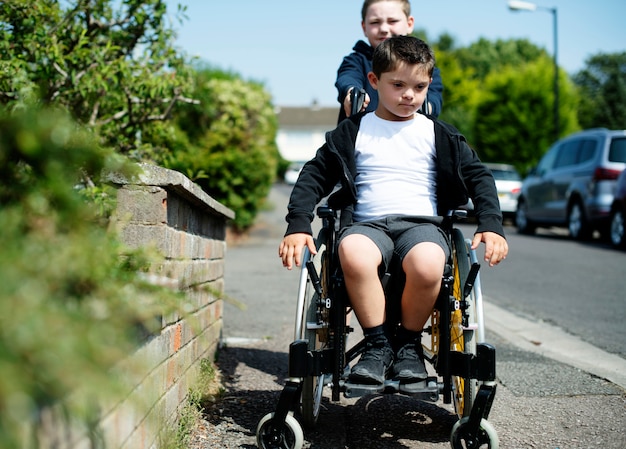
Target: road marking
555,343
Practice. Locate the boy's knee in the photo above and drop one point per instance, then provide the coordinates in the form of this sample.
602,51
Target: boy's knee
425,276
425,264
357,245
358,253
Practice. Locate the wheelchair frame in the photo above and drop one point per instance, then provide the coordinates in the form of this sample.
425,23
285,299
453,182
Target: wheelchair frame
318,357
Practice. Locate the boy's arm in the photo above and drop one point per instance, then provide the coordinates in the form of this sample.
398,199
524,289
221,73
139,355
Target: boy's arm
487,208
317,179
482,190
435,94
350,74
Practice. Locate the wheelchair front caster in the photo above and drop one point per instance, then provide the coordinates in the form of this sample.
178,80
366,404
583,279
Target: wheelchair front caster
287,435
486,436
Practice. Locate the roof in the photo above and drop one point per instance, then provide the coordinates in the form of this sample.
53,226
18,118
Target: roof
307,117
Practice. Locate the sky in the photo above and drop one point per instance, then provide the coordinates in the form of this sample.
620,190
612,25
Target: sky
294,47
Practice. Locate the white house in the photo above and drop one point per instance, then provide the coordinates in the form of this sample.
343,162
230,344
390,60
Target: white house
301,130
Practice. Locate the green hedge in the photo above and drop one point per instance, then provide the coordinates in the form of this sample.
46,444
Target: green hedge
70,306
225,143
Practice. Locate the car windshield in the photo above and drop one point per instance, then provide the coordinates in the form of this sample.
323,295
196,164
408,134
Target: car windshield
505,175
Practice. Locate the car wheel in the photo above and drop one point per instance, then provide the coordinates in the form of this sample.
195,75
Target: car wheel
577,223
616,232
523,224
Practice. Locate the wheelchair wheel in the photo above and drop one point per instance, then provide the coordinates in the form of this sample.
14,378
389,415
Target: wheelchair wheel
316,332
288,436
462,338
486,437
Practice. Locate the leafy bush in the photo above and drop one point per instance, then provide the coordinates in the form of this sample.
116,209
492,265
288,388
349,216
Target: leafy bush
226,142
70,307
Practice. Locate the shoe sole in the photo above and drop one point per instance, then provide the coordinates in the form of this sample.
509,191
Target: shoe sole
410,377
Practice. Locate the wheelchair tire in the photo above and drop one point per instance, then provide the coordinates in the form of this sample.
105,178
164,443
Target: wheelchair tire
289,436
487,437
313,386
462,339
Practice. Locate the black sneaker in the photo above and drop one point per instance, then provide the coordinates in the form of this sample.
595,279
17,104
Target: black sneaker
408,366
374,364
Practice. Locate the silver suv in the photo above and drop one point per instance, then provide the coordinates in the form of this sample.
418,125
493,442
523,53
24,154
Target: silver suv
573,184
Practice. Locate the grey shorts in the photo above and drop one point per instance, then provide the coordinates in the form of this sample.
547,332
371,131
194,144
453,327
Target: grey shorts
396,235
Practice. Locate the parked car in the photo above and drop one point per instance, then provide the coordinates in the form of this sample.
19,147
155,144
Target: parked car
574,183
293,171
508,184
618,214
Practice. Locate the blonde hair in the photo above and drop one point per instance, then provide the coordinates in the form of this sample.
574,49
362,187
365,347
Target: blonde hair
406,6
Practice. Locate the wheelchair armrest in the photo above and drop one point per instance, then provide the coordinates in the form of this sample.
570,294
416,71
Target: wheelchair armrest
326,212
457,214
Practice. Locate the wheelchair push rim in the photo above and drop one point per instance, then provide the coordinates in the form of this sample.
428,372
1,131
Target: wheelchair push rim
313,386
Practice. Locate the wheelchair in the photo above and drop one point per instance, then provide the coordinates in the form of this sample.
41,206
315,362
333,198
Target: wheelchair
453,344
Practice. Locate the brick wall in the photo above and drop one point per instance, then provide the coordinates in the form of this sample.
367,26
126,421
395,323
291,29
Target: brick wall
166,210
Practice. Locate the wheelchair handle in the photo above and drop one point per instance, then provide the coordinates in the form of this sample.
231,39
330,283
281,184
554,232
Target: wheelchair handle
357,98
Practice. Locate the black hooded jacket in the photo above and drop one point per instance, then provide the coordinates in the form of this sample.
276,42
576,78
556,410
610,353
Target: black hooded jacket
460,175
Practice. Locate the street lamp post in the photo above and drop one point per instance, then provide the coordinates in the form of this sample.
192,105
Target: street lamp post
528,6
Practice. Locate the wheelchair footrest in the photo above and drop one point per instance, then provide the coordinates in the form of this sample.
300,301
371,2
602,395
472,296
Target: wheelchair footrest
427,390
357,390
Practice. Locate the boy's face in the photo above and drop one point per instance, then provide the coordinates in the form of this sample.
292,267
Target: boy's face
401,92
385,19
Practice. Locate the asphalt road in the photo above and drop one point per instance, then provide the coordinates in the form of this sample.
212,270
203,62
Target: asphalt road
548,395
577,286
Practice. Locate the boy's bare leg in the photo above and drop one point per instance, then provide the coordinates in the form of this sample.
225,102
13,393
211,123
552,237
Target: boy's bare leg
360,259
423,266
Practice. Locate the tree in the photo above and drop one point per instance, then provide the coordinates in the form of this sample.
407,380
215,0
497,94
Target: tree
514,118
485,57
111,64
461,93
464,71
602,85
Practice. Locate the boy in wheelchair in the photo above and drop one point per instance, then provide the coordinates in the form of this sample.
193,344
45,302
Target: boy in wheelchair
397,172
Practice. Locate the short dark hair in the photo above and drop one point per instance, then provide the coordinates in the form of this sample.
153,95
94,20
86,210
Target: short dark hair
399,49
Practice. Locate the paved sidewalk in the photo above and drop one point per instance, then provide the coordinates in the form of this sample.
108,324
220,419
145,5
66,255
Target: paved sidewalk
541,402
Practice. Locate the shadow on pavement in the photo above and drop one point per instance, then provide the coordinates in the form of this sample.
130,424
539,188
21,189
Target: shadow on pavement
266,361
373,421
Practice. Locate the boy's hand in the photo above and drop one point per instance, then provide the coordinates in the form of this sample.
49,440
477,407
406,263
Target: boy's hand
347,103
290,248
496,247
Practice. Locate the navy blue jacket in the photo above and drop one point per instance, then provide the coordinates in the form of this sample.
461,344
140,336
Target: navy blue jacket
353,73
460,175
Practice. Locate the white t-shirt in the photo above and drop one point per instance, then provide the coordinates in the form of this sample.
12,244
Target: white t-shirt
395,164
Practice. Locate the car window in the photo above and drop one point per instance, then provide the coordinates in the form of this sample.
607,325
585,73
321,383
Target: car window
505,175
586,151
547,161
617,151
568,154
